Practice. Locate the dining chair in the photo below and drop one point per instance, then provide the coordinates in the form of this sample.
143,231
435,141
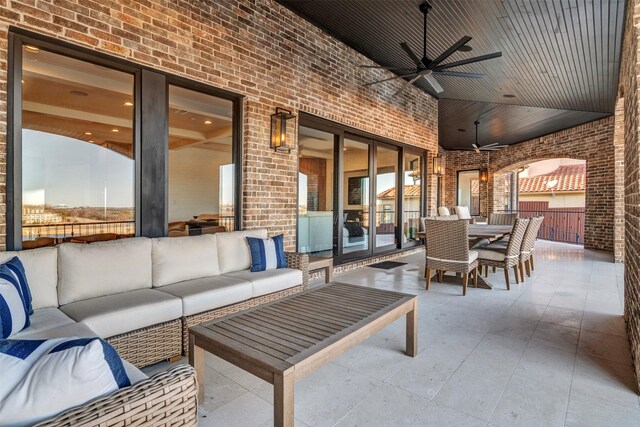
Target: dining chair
463,213
447,218
443,211
527,246
447,249
505,257
502,218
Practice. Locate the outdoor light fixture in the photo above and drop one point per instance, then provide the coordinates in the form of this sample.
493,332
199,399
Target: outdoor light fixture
484,174
415,172
282,138
438,166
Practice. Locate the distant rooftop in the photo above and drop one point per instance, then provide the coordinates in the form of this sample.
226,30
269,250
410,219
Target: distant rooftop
565,178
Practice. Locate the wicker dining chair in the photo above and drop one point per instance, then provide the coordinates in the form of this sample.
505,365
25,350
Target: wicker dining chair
502,218
447,249
446,218
527,246
500,256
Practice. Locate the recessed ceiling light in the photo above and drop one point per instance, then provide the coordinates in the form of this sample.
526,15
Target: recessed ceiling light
115,130
87,133
465,48
128,104
78,93
207,122
91,140
508,95
31,49
462,130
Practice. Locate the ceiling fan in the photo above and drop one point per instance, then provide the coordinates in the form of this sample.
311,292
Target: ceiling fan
490,147
426,67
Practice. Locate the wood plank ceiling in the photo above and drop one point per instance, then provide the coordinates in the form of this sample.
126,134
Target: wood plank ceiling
560,58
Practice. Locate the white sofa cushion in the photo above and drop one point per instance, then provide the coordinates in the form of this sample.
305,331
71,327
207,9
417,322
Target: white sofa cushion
176,259
43,320
116,314
207,293
233,250
43,378
103,268
266,282
41,268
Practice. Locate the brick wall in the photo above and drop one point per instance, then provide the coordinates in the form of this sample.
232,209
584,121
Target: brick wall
253,47
592,142
629,85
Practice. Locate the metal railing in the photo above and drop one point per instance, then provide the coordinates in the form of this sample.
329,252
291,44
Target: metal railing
559,225
71,229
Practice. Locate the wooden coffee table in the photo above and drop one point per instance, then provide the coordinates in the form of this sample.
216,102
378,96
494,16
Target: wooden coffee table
286,340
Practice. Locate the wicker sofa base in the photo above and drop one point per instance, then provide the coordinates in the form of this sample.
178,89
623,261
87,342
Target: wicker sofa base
147,346
206,316
166,399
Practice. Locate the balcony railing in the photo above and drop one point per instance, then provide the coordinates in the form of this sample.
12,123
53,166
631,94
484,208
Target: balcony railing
71,229
559,225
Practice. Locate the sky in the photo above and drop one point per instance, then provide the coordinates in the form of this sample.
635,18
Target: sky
58,170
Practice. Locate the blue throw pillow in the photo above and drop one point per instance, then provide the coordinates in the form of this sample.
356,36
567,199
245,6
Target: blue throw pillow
15,298
267,254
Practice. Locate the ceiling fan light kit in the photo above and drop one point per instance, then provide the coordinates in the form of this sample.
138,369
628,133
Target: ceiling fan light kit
427,68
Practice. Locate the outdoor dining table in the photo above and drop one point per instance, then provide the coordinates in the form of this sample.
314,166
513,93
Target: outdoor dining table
478,232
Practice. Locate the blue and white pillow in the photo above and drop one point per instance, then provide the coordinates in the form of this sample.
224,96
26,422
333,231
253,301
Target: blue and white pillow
15,298
42,378
267,254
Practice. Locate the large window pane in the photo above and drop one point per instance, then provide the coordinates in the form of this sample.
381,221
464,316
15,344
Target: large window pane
77,149
201,169
315,192
355,234
386,189
469,190
412,197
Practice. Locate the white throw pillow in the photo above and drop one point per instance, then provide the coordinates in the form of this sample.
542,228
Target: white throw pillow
15,298
443,211
463,212
42,378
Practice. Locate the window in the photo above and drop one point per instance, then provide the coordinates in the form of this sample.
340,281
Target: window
412,201
469,190
201,170
102,148
77,148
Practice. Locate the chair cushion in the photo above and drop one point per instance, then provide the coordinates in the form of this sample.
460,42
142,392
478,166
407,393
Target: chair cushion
492,252
103,268
463,212
233,250
176,259
43,320
207,293
41,378
443,211
266,282
41,269
473,255
116,314
267,254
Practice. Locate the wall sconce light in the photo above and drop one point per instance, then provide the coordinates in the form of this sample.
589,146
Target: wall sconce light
438,165
282,136
415,172
484,175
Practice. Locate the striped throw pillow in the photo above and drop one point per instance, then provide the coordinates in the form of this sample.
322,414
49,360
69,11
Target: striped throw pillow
42,378
267,254
15,298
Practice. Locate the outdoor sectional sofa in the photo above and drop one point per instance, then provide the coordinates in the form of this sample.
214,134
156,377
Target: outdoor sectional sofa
142,295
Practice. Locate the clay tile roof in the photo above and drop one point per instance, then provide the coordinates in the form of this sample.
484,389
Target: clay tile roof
569,177
409,191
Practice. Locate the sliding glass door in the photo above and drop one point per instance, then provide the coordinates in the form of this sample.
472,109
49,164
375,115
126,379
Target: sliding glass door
357,196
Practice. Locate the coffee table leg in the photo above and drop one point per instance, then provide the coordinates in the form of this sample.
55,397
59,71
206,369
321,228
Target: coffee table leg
196,359
412,330
283,385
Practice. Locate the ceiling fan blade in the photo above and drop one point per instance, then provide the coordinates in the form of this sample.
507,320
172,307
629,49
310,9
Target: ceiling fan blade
447,53
490,145
412,55
459,74
475,146
434,83
406,85
386,80
469,61
378,67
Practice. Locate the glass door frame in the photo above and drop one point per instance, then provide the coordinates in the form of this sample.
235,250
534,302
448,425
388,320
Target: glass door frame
424,173
399,193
